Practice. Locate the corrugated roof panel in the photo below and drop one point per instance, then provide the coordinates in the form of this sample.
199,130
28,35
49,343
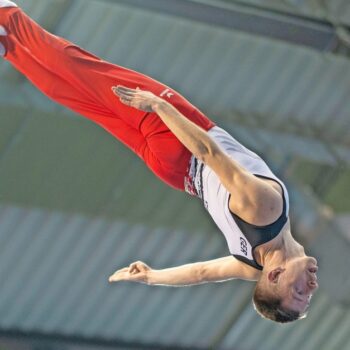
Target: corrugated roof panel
300,78
321,95
340,334
335,10
335,97
240,330
343,153
321,334
277,335
271,63
243,76
74,267
68,291
249,137
220,306
51,281
261,334
302,331
299,146
344,12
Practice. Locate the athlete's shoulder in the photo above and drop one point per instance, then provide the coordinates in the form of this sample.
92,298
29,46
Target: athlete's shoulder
244,271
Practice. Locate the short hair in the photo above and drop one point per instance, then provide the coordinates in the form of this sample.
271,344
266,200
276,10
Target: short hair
269,305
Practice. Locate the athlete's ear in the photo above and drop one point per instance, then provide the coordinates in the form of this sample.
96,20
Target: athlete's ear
274,275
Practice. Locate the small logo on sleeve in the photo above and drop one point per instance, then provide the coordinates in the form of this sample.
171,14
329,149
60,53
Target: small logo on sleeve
244,249
167,93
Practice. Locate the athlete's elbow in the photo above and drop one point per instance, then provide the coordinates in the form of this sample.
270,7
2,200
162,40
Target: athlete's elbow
201,151
199,273
207,152
207,274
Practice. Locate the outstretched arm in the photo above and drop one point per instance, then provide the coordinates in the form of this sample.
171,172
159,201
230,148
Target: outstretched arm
255,200
218,270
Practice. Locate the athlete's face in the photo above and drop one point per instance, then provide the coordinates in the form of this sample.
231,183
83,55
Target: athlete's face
297,283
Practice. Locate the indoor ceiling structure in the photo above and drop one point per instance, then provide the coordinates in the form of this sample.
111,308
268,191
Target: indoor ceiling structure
76,205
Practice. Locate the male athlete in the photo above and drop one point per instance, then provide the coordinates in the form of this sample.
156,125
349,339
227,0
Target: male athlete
187,151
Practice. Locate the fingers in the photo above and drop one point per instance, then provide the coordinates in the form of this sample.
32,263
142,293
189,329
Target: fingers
135,267
135,98
126,273
125,94
120,90
126,101
118,275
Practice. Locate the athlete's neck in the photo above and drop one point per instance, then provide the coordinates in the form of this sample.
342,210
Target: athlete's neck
279,250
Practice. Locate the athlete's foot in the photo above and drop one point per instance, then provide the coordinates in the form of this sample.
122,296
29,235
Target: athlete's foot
3,32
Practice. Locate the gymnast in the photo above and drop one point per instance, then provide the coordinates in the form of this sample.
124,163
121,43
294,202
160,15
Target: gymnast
188,152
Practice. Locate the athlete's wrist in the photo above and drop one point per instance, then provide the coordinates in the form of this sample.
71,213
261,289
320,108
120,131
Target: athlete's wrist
158,104
151,277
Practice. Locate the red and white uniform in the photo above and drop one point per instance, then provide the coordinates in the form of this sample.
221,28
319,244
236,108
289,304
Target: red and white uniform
82,82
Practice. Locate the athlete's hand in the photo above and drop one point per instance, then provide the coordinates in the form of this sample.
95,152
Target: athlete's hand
136,272
139,99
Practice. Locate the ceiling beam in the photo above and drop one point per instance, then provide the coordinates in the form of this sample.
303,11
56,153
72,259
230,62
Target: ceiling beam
38,339
314,33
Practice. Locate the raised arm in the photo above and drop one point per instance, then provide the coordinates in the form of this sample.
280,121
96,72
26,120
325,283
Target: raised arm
256,201
218,270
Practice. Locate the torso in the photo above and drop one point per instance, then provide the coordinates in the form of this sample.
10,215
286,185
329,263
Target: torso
244,239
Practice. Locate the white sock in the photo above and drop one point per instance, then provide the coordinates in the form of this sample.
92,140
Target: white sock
2,47
3,31
7,3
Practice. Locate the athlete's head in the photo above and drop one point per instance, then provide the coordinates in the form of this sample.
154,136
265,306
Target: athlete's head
283,293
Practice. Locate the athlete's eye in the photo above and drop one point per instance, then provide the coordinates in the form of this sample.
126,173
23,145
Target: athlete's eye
298,291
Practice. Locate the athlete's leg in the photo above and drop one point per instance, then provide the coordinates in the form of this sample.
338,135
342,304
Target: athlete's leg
66,94
32,49
89,73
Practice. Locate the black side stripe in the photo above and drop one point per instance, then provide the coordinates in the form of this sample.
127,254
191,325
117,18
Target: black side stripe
201,180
